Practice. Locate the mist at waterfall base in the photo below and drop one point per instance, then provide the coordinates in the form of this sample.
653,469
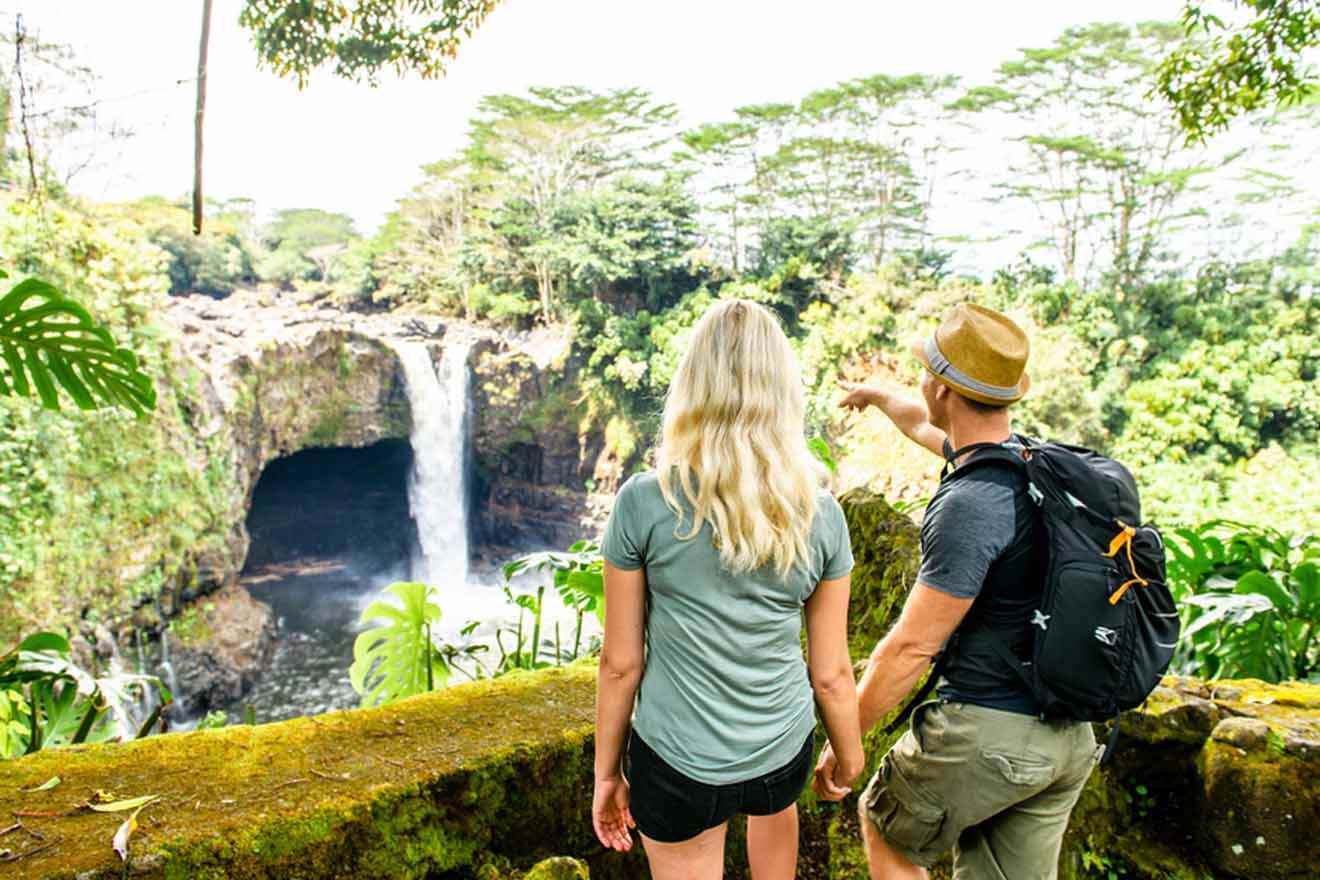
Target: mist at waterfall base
317,606
329,532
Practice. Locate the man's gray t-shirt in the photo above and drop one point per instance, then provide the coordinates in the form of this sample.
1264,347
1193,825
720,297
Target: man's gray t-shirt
724,696
968,527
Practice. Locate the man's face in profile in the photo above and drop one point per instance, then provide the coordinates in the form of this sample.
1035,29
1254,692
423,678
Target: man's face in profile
937,404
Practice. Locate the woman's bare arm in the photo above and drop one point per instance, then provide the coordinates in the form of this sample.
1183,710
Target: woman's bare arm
832,676
621,659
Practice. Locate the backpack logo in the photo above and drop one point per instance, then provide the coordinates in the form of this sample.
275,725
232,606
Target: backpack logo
1040,620
1106,635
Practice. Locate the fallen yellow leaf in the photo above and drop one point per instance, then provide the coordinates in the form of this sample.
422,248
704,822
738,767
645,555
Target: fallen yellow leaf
121,806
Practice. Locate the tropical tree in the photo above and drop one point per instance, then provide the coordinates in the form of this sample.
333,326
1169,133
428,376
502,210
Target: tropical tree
1103,169
541,148
300,242
860,159
1228,68
627,242
361,38
901,131
715,157
422,245
213,263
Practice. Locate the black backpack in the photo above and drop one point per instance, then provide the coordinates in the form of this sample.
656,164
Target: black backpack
1107,625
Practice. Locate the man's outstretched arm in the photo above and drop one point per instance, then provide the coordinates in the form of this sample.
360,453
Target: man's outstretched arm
909,416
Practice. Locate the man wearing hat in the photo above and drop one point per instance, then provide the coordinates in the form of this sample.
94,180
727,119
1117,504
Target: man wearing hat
978,771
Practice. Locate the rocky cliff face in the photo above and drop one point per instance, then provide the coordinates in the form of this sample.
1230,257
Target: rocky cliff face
535,443
276,379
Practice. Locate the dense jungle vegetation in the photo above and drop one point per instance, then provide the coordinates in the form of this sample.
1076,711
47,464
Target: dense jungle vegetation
1168,283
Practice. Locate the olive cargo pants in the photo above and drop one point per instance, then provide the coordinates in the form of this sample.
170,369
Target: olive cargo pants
997,787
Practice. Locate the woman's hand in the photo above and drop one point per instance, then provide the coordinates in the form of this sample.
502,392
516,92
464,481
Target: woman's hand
833,781
610,814
859,396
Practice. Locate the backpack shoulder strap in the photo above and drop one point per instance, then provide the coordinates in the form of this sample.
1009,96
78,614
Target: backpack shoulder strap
987,454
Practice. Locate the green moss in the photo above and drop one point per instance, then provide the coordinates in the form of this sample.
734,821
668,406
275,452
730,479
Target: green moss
330,427
432,784
191,627
1262,810
559,868
886,548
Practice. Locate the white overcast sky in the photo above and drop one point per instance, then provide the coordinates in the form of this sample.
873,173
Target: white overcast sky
355,149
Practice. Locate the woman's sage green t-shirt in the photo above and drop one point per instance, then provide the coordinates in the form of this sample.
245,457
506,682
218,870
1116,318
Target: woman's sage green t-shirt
724,696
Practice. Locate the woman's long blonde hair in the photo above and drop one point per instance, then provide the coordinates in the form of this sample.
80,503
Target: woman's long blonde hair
734,440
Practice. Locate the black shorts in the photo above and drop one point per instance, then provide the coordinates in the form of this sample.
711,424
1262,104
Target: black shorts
670,807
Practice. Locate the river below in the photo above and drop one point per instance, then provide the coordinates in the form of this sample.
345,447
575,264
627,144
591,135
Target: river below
317,605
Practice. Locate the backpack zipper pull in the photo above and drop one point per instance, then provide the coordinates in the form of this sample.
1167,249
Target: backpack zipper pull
1121,541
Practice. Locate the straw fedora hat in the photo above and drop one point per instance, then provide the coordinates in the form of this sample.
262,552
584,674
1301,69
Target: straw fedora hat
979,353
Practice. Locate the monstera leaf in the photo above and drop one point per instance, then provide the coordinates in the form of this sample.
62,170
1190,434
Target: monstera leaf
396,658
578,575
48,341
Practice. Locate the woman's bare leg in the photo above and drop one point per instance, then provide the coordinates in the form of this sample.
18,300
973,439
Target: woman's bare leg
772,845
701,858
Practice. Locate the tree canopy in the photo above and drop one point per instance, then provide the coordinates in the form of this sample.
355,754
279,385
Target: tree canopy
361,38
1224,71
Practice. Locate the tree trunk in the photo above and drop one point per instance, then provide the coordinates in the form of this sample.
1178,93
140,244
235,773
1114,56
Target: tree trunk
543,286
19,36
197,121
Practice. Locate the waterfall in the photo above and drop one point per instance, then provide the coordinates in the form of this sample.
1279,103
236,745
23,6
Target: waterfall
437,486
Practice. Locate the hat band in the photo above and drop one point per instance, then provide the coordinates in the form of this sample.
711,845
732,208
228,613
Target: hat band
940,366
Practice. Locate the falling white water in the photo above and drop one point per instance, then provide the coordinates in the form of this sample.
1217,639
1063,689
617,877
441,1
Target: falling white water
437,491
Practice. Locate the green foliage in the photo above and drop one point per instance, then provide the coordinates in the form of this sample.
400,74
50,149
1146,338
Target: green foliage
145,492
1097,163
1211,80
1250,599
396,658
799,257
303,244
579,578
46,700
48,342
361,37
627,241
821,450
492,232
213,263
577,575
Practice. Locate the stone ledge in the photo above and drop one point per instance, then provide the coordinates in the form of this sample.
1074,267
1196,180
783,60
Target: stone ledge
424,786
482,780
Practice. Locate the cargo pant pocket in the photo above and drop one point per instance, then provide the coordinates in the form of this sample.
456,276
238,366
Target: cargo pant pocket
906,817
1030,771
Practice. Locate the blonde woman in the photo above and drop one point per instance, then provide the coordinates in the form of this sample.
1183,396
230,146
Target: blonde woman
709,563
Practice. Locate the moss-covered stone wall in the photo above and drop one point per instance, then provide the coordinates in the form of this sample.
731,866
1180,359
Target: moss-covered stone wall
436,786
483,780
